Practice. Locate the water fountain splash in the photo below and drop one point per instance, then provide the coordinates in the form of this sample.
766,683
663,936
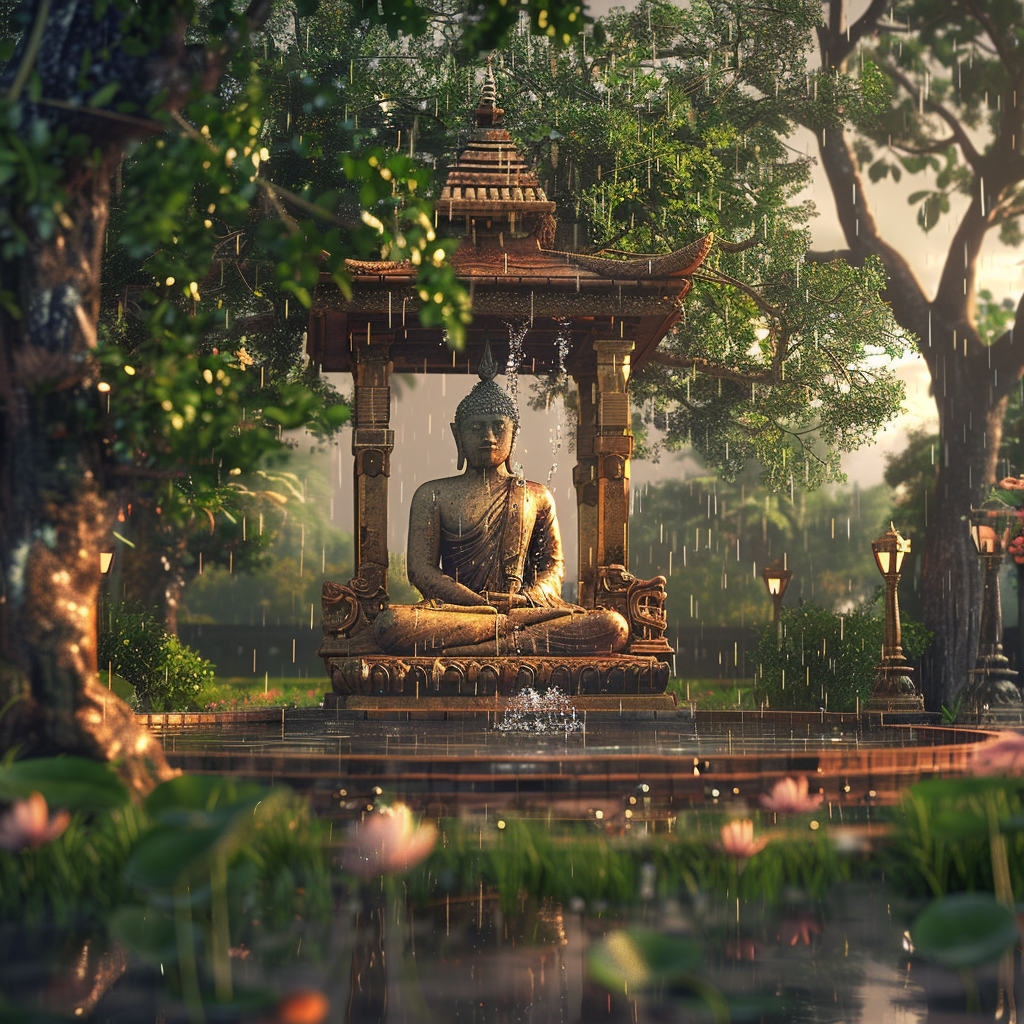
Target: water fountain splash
564,342
517,330
533,712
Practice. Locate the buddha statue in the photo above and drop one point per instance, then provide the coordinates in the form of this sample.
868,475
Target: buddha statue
486,554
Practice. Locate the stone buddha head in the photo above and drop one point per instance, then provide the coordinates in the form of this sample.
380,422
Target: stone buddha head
486,421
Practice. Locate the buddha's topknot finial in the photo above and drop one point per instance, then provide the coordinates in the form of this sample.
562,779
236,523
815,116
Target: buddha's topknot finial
487,398
488,368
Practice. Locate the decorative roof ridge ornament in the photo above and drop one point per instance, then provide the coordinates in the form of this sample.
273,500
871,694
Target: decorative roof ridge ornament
680,263
488,113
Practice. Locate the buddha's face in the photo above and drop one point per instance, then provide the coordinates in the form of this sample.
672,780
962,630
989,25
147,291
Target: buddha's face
486,440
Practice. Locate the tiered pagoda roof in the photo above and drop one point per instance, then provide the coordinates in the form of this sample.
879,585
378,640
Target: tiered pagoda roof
493,201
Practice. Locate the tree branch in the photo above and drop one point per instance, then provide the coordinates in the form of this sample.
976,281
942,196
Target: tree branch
982,18
971,155
710,369
1006,354
910,306
836,45
938,146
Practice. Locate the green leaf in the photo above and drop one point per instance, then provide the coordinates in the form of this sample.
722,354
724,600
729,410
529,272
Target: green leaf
73,783
202,793
103,96
167,852
964,930
636,959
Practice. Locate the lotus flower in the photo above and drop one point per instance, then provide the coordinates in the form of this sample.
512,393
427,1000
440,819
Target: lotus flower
738,839
28,824
387,841
790,796
1001,756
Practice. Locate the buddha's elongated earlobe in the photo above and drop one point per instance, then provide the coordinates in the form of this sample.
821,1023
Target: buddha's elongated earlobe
511,449
461,455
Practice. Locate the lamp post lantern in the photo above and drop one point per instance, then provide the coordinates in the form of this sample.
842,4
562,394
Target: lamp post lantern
776,578
992,689
894,688
106,562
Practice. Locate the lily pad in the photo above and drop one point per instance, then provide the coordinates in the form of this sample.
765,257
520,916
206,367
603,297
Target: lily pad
73,783
964,930
636,959
148,933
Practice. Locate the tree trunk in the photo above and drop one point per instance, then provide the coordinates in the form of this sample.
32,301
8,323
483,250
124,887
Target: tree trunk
970,423
152,573
54,514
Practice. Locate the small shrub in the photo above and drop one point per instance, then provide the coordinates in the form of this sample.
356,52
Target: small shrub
166,674
825,654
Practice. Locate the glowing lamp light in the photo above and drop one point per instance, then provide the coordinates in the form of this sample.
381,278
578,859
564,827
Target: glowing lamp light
890,550
776,579
106,558
987,541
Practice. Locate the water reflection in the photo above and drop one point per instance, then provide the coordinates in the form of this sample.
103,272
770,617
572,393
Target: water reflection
467,959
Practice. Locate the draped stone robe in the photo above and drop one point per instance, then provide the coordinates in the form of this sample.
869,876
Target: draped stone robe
490,556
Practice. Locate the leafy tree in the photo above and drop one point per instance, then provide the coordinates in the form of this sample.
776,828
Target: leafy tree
949,125
769,357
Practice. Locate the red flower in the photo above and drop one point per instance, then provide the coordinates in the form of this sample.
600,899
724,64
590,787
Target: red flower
308,1007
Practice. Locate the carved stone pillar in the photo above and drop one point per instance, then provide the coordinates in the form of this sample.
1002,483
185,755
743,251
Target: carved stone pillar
604,444
584,477
372,444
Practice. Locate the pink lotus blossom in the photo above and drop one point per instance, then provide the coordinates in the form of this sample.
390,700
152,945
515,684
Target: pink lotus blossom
27,824
738,839
791,796
1003,755
387,841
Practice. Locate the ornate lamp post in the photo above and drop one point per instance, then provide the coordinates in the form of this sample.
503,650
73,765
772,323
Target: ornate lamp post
776,578
992,690
894,689
106,561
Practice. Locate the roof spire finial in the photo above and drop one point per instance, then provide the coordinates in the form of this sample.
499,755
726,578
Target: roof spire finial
488,113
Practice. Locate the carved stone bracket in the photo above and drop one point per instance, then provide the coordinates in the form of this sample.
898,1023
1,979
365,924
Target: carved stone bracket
641,603
349,609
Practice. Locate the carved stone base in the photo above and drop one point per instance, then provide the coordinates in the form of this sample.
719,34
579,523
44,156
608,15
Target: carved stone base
896,705
894,690
447,708
417,678
992,692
